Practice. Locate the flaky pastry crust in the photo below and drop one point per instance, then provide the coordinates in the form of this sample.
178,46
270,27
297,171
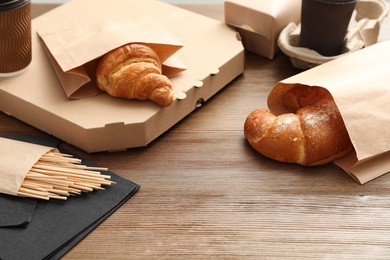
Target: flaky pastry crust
134,71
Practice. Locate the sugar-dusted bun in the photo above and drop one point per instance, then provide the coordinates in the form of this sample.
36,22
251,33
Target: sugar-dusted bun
134,71
312,133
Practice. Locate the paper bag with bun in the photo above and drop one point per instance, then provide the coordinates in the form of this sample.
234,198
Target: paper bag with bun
74,48
359,84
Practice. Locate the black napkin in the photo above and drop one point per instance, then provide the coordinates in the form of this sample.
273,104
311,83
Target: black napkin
56,226
16,211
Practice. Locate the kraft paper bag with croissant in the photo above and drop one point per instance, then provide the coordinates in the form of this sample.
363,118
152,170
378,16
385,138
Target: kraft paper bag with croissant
360,86
74,48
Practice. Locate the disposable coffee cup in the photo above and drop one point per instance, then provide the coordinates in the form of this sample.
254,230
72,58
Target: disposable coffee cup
324,25
15,37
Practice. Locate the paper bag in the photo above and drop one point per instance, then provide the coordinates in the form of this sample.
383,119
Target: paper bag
360,86
17,158
74,48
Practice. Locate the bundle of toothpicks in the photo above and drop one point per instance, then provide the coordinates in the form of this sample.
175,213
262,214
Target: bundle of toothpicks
58,175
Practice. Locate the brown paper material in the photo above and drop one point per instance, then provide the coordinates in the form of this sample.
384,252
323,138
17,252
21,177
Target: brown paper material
17,158
73,49
260,22
360,85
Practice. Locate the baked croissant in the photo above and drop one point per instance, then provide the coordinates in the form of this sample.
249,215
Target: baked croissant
312,134
134,71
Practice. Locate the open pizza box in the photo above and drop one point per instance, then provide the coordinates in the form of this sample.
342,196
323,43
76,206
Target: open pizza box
360,85
207,51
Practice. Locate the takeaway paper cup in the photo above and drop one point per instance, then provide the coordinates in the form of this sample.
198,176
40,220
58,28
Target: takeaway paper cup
15,39
324,25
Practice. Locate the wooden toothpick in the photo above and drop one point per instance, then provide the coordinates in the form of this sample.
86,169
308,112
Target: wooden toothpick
57,176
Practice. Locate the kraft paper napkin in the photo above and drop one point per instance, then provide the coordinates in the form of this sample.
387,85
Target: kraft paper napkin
74,48
54,227
360,86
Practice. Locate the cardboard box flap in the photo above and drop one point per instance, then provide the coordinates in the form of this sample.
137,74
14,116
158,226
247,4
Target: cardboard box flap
79,43
360,85
266,18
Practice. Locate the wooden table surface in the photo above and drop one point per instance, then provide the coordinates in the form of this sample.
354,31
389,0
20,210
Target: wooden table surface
206,192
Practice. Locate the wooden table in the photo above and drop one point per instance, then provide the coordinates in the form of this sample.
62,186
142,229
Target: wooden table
206,192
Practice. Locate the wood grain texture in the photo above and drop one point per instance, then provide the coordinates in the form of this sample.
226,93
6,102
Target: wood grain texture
206,194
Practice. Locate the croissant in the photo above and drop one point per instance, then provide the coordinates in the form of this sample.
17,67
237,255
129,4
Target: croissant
313,133
134,71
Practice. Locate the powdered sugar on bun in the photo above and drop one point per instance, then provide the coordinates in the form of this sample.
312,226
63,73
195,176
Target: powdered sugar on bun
312,133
